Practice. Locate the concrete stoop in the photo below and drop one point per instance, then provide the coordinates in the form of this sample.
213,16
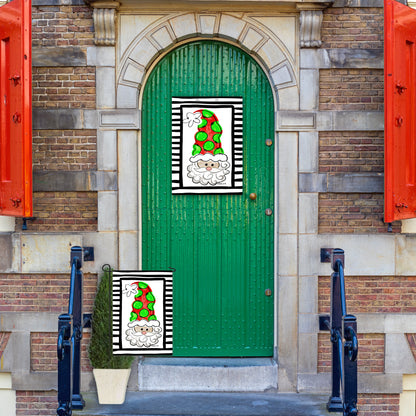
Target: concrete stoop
208,374
209,404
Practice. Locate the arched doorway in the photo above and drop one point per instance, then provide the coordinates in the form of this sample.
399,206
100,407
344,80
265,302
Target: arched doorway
218,237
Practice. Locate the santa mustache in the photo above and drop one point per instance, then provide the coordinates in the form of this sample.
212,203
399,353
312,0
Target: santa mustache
212,176
143,340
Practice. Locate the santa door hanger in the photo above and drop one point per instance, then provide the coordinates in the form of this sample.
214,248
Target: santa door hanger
207,145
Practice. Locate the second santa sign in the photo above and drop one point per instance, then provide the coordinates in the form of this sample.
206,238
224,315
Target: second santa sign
207,145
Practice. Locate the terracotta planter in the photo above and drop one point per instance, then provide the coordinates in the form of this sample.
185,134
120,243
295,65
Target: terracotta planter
111,384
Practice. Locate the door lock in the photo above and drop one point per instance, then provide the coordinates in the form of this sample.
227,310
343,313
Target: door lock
268,292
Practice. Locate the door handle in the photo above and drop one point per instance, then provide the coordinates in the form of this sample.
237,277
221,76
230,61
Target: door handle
253,196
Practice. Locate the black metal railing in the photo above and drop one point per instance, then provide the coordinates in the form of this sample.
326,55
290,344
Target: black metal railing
70,326
343,329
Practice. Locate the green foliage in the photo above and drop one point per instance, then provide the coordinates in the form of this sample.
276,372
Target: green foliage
101,349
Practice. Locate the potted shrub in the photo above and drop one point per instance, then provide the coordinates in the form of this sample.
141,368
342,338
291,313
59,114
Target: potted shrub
111,372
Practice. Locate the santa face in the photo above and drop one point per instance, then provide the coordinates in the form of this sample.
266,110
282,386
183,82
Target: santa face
143,333
208,172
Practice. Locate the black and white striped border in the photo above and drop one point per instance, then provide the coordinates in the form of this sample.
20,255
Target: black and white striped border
237,145
167,324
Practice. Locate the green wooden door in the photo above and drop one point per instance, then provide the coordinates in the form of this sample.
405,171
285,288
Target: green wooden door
220,245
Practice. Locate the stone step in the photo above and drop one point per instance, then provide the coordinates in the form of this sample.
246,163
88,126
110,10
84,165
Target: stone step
209,404
208,374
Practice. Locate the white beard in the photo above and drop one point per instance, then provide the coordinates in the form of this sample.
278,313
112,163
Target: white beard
208,177
143,340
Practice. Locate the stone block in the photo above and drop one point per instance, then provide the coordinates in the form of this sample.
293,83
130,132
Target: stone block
105,250
7,224
107,211
405,256
184,25
128,250
6,250
288,154
288,98
163,36
271,54
106,87
295,120
101,56
67,181
313,182
231,26
308,294
308,151
356,182
57,119
107,150
207,23
309,89
128,181
219,374
127,96
358,120
399,357
47,253
58,56
308,323
120,119
287,255
143,52
308,213
308,353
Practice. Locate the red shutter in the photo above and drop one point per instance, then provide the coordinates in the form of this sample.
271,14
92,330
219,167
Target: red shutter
16,109
399,111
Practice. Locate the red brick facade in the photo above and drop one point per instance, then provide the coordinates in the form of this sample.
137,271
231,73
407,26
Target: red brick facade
370,357
378,404
35,403
62,26
42,292
348,27
64,150
373,294
63,87
351,89
43,351
347,213
351,152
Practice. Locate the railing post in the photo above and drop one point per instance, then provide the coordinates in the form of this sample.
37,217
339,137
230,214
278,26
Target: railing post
350,365
76,259
64,365
335,401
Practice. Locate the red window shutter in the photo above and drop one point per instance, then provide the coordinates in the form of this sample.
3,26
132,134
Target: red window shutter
16,109
399,111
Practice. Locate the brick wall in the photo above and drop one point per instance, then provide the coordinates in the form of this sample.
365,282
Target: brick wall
372,294
42,292
352,213
62,26
63,211
370,358
63,87
64,150
351,89
349,27
351,152
378,404
43,351
39,403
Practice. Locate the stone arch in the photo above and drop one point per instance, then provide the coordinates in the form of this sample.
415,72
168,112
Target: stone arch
242,30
